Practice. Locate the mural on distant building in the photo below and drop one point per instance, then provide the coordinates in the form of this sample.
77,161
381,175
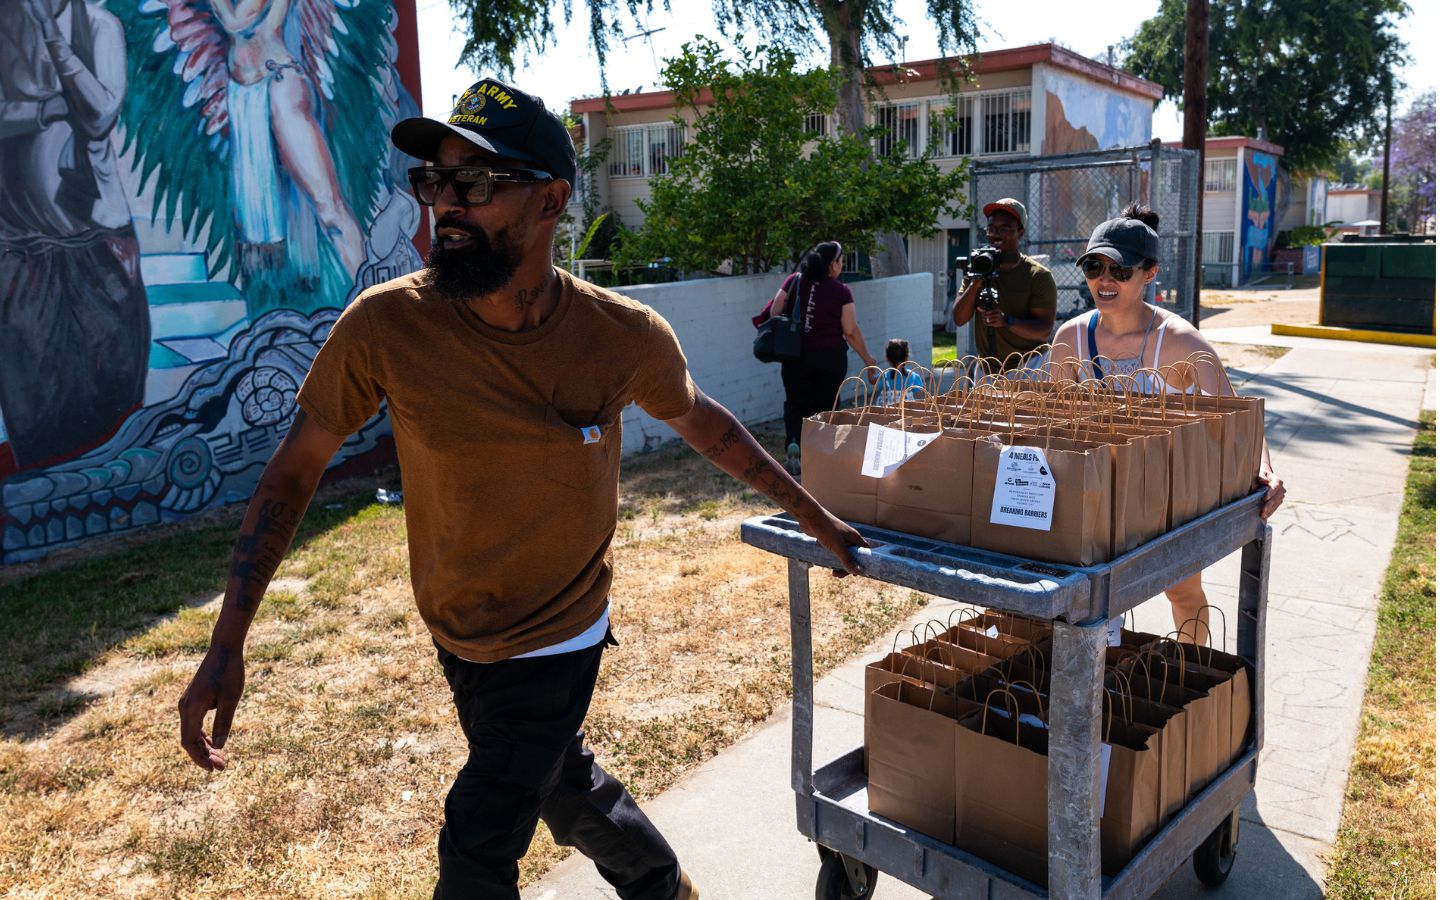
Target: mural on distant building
1100,116
1261,182
1082,116
190,191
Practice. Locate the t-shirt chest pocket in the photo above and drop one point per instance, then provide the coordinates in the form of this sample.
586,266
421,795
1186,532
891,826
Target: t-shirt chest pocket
577,450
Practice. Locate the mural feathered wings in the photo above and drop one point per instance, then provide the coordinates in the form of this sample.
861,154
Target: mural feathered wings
174,116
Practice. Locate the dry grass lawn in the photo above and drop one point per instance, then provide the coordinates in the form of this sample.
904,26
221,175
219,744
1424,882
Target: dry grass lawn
345,741
1386,842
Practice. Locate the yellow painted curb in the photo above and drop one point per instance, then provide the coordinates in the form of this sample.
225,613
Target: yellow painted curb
1334,333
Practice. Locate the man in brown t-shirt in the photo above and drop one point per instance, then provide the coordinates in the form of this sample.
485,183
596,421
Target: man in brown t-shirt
505,378
1026,309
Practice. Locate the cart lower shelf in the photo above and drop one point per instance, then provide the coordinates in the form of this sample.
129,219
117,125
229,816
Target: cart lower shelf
836,816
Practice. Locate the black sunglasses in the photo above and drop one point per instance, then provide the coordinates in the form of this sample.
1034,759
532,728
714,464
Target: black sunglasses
1094,268
472,185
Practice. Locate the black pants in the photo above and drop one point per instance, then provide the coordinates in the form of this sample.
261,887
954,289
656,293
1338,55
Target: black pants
811,383
527,761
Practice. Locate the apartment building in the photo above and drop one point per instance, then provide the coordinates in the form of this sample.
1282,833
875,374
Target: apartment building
1023,102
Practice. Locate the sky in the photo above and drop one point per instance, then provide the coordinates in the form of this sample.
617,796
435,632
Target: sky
569,70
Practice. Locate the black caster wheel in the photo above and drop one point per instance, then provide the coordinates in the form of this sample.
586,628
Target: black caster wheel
1214,858
843,878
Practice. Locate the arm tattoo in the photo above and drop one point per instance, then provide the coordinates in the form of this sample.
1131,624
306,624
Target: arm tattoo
728,440
760,476
260,551
223,657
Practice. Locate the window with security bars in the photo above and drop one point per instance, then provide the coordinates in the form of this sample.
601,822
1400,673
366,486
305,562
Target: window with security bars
641,150
1218,175
1007,122
955,127
1218,246
817,124
902,128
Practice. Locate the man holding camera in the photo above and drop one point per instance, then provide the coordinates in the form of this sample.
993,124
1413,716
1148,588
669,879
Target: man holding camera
1013,297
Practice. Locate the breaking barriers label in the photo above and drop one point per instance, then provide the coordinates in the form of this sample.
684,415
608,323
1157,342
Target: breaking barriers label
1025,489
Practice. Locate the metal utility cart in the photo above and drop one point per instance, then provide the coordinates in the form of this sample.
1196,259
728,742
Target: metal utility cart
855,844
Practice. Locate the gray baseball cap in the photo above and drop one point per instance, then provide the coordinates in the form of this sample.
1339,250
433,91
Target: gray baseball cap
1124,241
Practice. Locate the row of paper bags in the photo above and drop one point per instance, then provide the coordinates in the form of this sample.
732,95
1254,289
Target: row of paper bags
1123,470
957,725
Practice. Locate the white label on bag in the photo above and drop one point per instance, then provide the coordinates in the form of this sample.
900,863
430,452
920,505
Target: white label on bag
992,632
1103,760
1115,631
888,448
1025,489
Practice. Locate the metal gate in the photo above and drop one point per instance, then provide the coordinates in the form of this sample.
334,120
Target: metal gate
1067,196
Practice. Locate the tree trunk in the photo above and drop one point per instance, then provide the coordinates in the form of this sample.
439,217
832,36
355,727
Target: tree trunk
843,23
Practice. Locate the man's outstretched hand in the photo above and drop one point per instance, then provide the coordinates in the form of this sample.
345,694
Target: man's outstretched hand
836,536
217,685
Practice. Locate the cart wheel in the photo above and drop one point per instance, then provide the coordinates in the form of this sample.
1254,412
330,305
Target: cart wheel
843,878
1214,858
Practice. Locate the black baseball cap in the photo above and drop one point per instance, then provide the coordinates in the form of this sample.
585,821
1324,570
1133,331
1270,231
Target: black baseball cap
1124,241
501,119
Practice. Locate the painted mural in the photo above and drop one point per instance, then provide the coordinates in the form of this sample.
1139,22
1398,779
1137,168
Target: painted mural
1260,187
190,191
1101,117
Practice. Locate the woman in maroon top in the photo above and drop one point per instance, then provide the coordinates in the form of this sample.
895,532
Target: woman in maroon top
829,318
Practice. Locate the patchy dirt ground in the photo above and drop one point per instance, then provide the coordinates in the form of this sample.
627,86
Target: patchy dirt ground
1237,309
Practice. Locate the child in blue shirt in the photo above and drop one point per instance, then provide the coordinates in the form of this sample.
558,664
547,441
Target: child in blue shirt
897,380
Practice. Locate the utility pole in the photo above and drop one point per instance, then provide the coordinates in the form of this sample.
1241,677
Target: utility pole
1195,122
1385,180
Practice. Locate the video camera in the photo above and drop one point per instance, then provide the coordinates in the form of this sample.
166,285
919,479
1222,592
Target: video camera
982,263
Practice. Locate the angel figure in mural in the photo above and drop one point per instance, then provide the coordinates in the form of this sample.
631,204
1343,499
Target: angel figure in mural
296,149
74,324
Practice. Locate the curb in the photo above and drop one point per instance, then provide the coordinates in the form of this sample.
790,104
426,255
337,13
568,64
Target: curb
1335,333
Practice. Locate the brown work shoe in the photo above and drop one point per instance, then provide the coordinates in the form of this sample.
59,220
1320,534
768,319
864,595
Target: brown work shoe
687,890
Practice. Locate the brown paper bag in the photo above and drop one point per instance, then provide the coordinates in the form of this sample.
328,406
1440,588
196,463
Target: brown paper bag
1130,809
1080,533
1202,733
1207,660
912,778
1141,485
917,669
1193,461
1012,625
1243,438
1001,790
931,493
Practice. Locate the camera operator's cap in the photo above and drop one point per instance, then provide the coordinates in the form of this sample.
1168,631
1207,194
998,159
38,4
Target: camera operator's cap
1013,208
1124,241
501,119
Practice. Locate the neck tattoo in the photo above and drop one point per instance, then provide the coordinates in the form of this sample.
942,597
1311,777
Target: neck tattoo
527,297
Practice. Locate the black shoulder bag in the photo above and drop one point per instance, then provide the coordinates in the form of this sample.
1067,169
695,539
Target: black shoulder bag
778,339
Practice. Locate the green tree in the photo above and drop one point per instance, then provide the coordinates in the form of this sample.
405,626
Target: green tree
497,30
754,186
1304,73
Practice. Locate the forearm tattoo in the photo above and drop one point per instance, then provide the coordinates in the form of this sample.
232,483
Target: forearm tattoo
728,440
223,657
259,552
762,476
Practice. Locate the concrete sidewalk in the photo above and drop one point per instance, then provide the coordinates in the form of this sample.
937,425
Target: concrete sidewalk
1340,420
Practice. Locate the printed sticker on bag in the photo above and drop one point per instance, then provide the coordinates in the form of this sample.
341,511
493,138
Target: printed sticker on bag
888,448
1025,489
1104,764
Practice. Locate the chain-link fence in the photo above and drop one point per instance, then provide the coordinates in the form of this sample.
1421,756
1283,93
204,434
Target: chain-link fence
1067,196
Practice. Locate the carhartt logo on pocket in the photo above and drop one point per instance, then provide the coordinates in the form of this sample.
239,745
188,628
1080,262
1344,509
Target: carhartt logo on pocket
592,434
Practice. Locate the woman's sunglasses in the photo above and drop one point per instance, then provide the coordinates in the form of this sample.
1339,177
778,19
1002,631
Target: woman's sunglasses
472,185
1094,268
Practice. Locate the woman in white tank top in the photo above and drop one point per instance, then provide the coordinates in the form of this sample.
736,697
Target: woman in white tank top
1120,264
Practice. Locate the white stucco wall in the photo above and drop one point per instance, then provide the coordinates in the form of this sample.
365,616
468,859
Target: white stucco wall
711,317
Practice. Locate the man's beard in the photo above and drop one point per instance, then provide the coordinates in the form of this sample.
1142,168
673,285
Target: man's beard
480,268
